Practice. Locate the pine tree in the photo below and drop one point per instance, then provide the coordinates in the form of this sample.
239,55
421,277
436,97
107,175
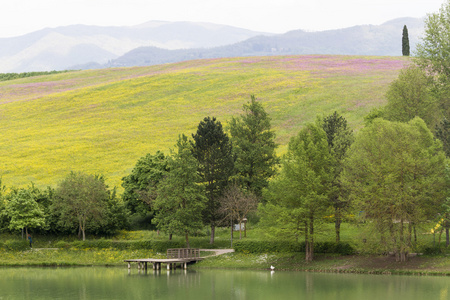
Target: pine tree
212,149
405,42
254,146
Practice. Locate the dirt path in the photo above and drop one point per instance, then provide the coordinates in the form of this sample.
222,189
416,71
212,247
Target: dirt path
218,251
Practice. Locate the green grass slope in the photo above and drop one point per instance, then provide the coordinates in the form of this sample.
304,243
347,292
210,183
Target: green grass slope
103,121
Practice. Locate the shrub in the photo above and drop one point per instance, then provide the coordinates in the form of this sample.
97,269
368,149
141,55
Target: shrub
15,245
252,246
62,245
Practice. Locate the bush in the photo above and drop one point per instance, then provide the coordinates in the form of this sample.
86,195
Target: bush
62,245
14,245
252,246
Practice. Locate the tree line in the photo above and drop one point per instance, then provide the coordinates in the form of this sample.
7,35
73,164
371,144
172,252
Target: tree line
392,174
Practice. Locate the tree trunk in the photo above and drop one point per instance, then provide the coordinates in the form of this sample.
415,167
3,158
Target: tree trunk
213,231
231,232
240,230
187,240
337,223
82,228
447,238
170,236
309,255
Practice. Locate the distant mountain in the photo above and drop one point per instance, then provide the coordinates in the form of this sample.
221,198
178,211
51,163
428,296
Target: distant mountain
384,40
63,47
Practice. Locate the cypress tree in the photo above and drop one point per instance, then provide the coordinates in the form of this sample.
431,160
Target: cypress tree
405,42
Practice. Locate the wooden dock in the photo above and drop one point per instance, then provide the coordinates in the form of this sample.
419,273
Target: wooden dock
182,256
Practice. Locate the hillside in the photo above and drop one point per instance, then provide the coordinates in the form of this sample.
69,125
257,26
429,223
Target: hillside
103,121
384,39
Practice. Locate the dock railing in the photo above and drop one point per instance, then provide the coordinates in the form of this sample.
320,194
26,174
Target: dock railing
183,253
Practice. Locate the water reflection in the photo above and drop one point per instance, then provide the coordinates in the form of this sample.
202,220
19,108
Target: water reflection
119,283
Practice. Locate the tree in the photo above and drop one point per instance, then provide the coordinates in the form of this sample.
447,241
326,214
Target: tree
79,199
339,139
254,147
141,185
24,211
442,132
236,205
433,54
180,199
394,174
304,184
405,41
213,151
410,96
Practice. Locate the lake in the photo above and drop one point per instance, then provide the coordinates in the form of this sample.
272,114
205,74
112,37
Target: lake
119,283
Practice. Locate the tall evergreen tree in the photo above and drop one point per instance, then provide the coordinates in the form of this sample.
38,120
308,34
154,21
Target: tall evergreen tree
405,42
339,138
213,151
254,147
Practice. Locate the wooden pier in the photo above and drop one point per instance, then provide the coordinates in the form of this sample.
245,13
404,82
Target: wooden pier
181,256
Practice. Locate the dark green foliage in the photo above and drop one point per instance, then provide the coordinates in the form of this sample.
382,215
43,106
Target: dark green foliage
213,151
141,185
254,147
405,41
442,132
14,245
157,246
11,76
252,246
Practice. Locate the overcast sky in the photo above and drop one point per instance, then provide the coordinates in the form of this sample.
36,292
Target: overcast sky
19,17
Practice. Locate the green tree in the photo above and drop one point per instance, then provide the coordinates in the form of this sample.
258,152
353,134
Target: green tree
433,54
254,147
213,151
141,185
4,219
410,96
405,41
24,211
339,138
79,199
304,184
442,132
180,199
394,174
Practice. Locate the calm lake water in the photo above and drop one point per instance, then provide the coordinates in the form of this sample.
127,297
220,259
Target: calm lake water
118,283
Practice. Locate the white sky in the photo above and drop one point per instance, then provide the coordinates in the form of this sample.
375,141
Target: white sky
18,17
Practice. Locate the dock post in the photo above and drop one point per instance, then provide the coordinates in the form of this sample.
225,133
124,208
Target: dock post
168,266
129,265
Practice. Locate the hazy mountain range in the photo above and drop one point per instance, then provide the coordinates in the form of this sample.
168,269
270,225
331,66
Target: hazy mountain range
83,47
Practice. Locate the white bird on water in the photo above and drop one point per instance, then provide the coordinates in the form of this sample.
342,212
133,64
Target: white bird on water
272,268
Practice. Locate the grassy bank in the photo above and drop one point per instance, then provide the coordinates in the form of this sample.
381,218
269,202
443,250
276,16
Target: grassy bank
68,251
369,264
